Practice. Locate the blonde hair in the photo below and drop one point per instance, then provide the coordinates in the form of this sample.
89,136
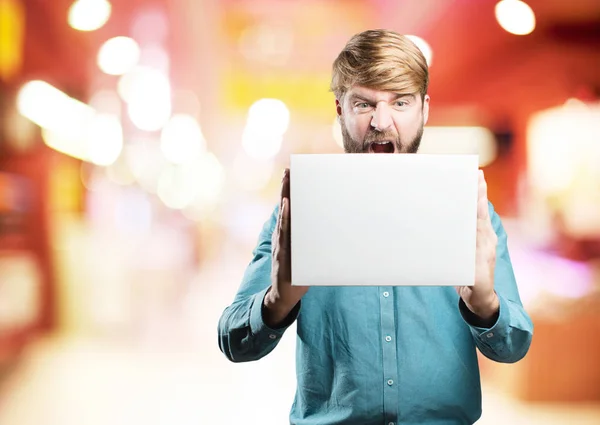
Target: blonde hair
381,60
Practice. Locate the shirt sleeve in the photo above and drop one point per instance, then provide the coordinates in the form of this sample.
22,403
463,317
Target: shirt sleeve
243,334
508,340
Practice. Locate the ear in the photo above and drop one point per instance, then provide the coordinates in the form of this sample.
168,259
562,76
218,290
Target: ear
338,108
425,109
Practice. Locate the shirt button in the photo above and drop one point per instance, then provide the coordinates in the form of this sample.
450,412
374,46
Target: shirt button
272,336
388,338
490,335
386,294
390,382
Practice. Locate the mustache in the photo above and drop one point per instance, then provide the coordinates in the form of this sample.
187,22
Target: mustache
377,136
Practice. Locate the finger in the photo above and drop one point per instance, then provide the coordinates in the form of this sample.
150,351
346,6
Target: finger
284,226
285,186
482,199
285,206
285,222
286,249
276,237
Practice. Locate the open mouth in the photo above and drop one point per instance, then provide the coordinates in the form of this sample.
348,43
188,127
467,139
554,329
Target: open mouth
381,147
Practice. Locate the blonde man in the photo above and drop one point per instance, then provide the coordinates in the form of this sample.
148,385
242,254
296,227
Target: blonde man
381,355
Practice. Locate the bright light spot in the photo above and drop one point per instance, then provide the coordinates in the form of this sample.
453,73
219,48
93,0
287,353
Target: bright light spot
70,143
336,131
64,120
515,16
555,165
574,104
148,94
118,55
150,116
70,126
564,167
182,139
100,141
268,120
105,139
141,78
423,46
272,114
460,140
89,15
251,174
50,108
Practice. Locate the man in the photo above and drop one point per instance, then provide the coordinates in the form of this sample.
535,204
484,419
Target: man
381,355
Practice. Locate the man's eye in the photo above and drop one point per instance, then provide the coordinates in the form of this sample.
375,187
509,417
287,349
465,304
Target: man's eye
401,103
362,105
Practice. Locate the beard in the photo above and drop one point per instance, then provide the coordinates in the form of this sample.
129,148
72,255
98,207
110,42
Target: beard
401,146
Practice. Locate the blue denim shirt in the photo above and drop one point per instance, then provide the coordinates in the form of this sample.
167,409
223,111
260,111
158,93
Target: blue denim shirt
380,355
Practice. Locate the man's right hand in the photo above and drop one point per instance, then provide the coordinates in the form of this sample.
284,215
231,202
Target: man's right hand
282,297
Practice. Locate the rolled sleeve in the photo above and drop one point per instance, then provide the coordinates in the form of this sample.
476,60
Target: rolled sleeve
508,340
258,326
497,332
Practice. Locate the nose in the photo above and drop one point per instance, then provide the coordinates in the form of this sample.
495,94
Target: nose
382,117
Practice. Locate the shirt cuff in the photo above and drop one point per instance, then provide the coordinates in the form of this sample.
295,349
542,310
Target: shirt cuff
496,332
257,324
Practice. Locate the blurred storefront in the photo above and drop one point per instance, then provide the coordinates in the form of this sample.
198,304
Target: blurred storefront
142,144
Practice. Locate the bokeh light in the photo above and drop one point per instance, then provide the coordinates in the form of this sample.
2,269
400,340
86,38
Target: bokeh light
89,15
50,108
182,139
268,120
147,92
118,55
104,139
515,16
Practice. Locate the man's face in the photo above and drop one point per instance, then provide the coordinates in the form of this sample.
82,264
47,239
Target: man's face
377,121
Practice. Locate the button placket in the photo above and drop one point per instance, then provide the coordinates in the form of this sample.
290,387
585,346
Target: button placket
390,356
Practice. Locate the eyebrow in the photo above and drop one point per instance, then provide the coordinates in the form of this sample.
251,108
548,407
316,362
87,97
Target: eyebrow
356,96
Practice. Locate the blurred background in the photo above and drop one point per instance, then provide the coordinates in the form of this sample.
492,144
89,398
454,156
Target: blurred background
142,144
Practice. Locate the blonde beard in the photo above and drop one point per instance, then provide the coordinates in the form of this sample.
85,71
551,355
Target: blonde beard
353,146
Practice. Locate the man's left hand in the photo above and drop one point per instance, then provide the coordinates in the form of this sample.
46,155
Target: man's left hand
481,298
